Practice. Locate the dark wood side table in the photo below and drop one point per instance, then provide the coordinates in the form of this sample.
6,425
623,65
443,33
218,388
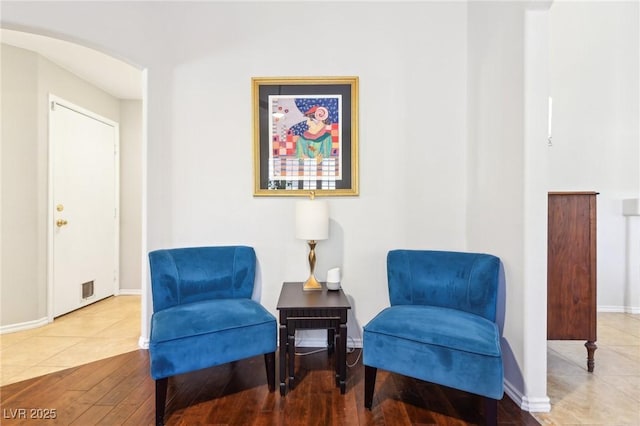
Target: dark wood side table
308,310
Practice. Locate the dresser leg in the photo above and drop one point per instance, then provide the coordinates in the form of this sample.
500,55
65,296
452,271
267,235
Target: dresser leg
591,348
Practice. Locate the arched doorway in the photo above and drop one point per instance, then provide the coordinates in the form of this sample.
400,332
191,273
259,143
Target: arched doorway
67,69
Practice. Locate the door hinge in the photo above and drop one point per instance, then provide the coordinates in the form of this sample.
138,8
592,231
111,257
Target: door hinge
53,105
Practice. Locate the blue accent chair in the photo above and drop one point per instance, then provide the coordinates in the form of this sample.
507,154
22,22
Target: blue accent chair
203,314
441,325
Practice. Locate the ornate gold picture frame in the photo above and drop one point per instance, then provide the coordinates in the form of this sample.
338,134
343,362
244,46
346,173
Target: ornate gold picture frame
305,136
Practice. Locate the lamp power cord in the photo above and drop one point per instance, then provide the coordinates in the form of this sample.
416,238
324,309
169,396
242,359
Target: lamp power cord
350,350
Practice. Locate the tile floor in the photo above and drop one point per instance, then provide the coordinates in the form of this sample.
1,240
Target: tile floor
101,330
609,396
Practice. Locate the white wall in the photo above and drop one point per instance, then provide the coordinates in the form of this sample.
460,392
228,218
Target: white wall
131,195
595,56
410,60
19,295
506,210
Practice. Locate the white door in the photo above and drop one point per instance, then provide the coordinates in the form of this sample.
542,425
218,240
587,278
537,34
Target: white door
84,196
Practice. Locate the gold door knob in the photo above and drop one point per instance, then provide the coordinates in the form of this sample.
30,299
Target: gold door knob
60,223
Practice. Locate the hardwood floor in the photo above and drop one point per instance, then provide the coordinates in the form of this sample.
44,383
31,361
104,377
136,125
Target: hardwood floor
119,390
608,396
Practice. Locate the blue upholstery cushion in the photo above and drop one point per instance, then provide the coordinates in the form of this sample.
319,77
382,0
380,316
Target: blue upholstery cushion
462,281
204,334
444,327
209,316
438,345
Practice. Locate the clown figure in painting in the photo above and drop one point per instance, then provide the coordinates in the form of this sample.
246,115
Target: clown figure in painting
305,141
315,142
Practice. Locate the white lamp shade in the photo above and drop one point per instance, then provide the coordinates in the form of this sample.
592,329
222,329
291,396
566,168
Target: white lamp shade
312,220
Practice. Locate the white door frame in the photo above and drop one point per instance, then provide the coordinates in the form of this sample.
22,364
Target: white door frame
52,102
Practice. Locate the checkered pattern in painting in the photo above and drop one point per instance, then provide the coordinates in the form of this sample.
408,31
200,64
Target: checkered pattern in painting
296,173
284,144
305,173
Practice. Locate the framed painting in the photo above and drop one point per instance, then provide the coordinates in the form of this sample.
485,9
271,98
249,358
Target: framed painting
305,136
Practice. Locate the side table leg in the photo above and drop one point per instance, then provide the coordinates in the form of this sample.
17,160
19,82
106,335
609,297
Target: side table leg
292,358
282,353
331,335
337,339
591,348
342,354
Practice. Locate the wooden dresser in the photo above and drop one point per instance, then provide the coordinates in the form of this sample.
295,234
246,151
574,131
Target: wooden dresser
571,269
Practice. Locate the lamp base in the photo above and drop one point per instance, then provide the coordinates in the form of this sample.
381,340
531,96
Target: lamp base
311,284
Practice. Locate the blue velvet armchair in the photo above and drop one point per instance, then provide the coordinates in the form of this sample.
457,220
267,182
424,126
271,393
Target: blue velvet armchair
441,325
204,315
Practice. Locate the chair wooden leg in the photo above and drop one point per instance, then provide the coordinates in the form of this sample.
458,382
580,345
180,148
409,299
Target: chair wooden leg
161,399
270,364
369,385
490,411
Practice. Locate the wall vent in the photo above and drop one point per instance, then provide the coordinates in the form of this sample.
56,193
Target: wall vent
87,289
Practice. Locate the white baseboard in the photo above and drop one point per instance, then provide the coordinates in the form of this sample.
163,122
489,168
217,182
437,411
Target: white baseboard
532,405
321,342
28,325
12,328
129,292
143,342
536,405
619,309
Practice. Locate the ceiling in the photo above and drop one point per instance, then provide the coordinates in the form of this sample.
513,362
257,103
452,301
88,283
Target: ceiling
114,76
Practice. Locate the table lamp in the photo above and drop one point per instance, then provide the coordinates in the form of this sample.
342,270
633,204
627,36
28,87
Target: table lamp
312,224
